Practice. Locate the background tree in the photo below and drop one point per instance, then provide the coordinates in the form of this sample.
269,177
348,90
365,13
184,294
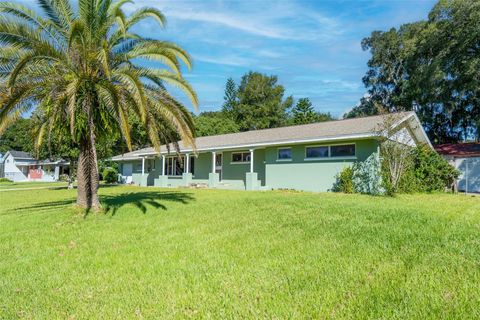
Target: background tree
260,103
431,67
213,123
79,70
230,98
17,136
304,113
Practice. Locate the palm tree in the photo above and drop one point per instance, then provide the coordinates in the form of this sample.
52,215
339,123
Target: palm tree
81,71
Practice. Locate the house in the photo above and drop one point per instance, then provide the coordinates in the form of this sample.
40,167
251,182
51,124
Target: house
21,166
466,158
302,157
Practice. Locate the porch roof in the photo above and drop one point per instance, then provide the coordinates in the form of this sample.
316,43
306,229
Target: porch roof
346,129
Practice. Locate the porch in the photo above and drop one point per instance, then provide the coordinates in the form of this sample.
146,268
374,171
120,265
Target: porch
241,170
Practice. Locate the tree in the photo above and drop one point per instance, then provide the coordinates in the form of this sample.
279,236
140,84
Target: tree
430,67
213,123
260,103
230,97
17,137
79,71
395,155
304,113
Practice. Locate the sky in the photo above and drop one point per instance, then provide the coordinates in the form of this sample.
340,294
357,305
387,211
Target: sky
314,47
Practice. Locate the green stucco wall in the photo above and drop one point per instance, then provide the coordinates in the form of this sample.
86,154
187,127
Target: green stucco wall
203,166
310,175
300,174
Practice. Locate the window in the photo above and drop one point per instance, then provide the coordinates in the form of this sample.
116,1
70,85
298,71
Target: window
317,152
176,167
347,150
284,154
240,157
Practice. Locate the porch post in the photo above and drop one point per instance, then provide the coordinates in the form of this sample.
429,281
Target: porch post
162,180
251,160
251,178
213,177
143,178
187,176
163,164
213,161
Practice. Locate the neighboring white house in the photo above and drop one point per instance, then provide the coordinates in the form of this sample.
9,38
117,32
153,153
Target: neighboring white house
466,158
21,166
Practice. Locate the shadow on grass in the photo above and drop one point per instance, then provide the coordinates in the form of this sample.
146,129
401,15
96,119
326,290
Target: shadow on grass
113,202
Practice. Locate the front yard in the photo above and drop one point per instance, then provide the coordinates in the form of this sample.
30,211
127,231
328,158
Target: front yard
169,253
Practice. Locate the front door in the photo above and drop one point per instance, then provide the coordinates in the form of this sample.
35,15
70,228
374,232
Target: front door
218,165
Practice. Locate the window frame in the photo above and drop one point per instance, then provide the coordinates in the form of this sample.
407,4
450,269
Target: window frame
343,157
285,159
330,157
242,153
317,158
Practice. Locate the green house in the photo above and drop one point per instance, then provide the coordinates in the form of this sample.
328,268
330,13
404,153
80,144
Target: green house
304,157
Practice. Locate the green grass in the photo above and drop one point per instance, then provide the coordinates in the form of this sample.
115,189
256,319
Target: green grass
30,184
167,253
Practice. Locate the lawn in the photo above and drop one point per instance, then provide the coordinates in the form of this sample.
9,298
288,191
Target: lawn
31,184
181,253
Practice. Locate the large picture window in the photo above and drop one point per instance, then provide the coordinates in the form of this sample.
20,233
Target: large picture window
316,152
240,157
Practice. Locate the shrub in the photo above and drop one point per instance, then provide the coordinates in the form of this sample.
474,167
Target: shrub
110,175
344,181
5,180
367,177
64,178
429,172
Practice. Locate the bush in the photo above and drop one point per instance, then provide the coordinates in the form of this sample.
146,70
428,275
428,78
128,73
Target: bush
64,178
429,172
5,180
344,181
110,175
367,176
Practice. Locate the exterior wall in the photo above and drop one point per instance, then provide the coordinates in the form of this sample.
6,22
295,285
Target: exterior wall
311,175
202,166
12,172
300,174
235,173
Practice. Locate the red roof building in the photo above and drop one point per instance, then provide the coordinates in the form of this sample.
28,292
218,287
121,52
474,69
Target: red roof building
459,150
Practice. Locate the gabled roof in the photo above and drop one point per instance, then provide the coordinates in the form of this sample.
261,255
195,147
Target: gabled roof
469,149
346,129
20,154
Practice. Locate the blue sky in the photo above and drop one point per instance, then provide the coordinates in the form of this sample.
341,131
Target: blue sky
312,46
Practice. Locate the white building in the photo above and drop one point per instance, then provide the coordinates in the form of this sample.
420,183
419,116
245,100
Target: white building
21,166
466,158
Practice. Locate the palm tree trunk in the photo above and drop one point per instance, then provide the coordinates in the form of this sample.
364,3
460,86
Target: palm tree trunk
87,173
